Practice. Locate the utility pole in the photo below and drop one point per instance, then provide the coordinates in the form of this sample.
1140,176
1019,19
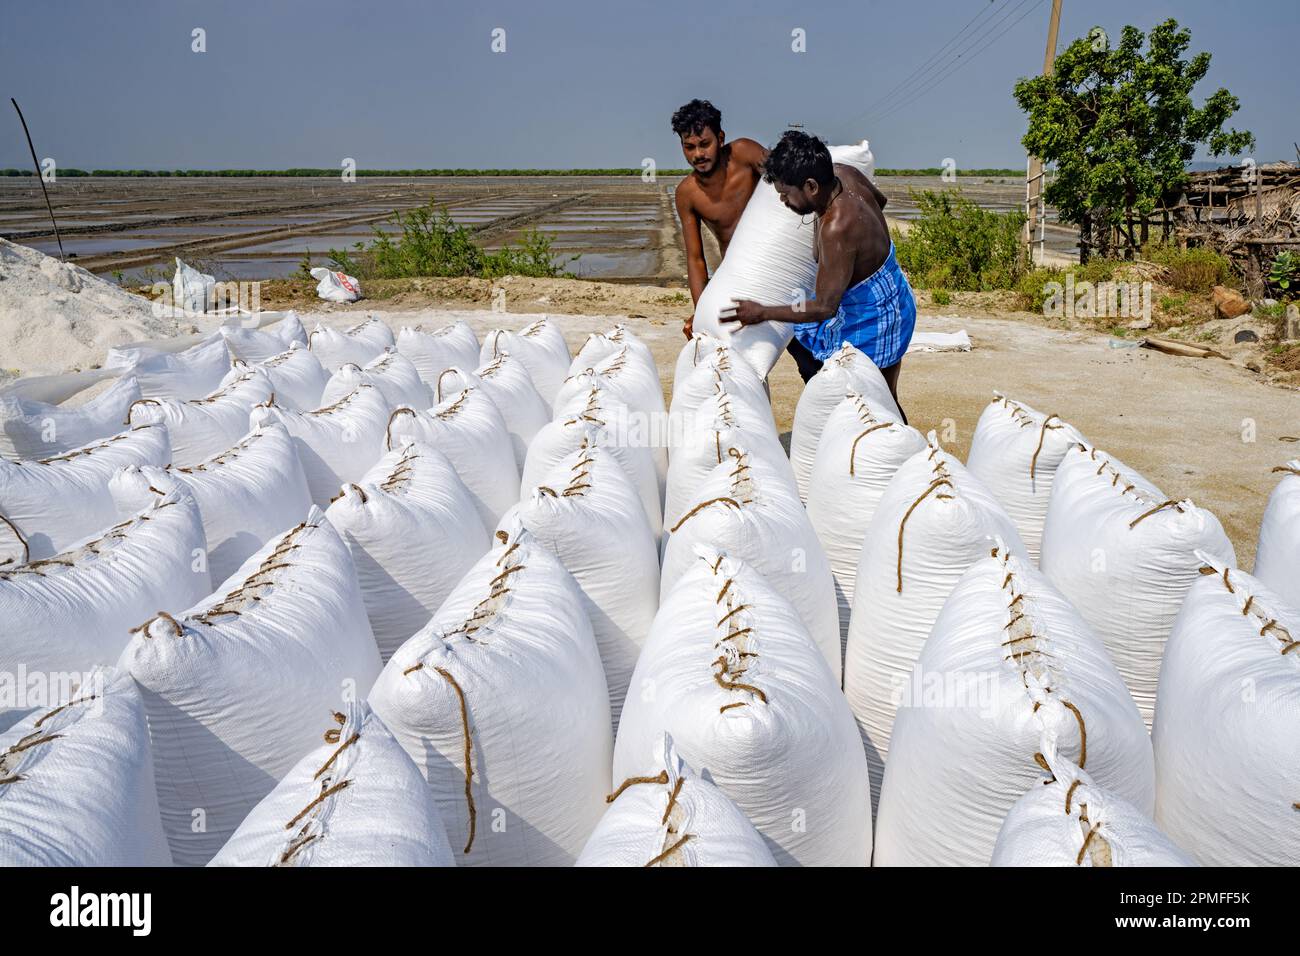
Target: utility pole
1034,210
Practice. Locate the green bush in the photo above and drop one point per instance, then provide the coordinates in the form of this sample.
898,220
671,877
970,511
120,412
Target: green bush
1032,289
430,243
954,244
1191,270
941,297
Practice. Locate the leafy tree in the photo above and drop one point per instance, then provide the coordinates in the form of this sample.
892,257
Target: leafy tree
1120,126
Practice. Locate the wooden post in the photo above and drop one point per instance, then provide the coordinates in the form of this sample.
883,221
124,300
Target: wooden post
1034,174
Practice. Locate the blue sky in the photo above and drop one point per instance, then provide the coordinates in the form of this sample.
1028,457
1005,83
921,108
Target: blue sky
401,83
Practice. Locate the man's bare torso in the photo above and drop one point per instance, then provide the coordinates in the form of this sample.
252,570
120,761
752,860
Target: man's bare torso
857,217
719,199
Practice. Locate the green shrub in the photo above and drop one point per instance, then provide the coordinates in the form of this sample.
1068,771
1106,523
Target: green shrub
430,243
1032,290
954,244
1191,270
941,297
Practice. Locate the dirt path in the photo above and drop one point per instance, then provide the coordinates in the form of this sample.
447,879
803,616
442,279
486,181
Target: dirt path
1199,428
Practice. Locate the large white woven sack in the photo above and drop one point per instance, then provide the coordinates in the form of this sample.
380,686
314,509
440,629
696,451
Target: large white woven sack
78,782
730,671
506,381
1277,562
357,345
297,378
1071,821
601,345
74,611
769,260
236,687
203,427
601,402
393,374
1015,451
468,428
1125,555
247,495
501,703
632,380
704,437
51,504
697,347
860,449
596,425
337,443
414,532
540,346
1225,731
1009,672
668,815
719,370
452,346
193,373
589,516
32,429
358,800
847,371
934,520
747,509
255,346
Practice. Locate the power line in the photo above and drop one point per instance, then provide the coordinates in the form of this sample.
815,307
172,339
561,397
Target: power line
957,63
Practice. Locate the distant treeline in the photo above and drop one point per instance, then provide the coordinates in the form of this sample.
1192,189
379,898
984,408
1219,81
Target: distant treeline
70,172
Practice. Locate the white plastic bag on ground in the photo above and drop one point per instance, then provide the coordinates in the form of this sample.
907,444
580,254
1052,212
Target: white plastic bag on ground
77,781
748,510
540,346
847,371
469,430
1277,562
934,520
246,495
259,344
769,260
297,378
414,532
1015,451
1125,555
501,703
673,817
193,373
31,429
334,286
357,345
204,427
336,444
704,437
1009,672
860,450
356,801
49,505
391,373
596,424
452,346
236,688
507,382
1073,822
732,674
589,516
192,290
1226,746
76,610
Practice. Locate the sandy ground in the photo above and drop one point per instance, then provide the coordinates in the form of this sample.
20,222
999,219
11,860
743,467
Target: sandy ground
1205,429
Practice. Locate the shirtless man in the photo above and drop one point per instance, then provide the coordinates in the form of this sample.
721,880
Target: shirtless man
862,296
723,177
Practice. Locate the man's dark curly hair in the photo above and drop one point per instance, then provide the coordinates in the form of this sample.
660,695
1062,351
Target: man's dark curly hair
798,157
695,117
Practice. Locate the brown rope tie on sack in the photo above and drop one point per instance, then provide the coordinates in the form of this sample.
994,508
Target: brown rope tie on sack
388,429
1287,468
853,452
700,507
27,551
937,483
1042,434
669,852
1069,794
469,755
139,401
437,395
661,778
1078,861
1160,507
325,794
